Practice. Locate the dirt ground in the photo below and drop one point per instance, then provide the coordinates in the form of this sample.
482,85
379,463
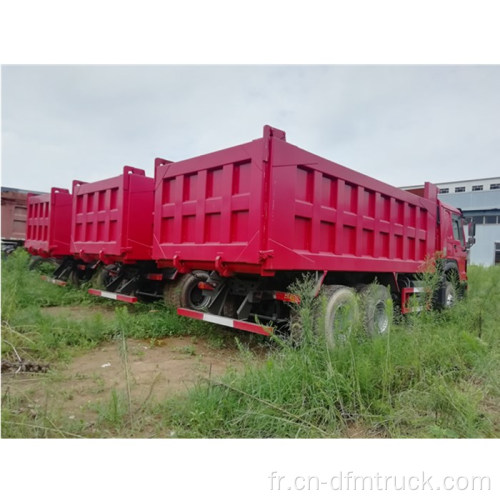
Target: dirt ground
156,369
79,312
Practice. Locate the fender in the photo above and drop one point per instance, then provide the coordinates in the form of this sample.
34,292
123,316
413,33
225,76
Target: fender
450,265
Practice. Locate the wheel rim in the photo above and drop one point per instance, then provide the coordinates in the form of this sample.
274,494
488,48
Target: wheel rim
197,299
344,318
381,319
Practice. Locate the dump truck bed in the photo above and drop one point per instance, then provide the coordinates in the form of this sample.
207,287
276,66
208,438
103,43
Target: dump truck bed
14,214
113,218
267,205
48,225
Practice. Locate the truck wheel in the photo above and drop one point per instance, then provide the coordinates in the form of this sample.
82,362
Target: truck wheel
341,314
185,292
172,292
43,265
35,262
376,316
295,328
449,295
102,278
74,278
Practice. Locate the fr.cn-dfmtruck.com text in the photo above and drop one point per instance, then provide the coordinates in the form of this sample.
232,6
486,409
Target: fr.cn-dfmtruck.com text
350,481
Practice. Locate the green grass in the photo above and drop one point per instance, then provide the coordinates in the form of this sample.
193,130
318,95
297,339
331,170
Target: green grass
50,338
436,374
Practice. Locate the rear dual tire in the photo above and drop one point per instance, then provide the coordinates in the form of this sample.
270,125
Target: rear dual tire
184,292
377,309
333,319
340,313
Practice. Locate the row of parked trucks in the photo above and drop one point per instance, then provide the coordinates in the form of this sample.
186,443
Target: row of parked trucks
222,236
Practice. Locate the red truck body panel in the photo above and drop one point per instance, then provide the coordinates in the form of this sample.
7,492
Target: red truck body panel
48,226
267,205
113,218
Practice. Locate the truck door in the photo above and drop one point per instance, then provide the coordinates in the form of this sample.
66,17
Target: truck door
457,249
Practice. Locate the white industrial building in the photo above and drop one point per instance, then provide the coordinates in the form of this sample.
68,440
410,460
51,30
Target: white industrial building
479,200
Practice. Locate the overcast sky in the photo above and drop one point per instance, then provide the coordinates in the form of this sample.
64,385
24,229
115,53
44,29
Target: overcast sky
401,124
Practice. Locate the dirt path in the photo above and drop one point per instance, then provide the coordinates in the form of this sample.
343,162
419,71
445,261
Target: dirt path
156,371
79,312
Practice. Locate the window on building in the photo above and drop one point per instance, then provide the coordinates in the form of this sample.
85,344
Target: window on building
497,253
444,190
490,219
479,187
495,186
478,219
460,189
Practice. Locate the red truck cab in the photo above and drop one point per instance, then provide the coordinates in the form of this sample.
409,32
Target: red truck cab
451,239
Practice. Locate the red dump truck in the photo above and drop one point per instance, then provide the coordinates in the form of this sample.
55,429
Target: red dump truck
244,223
13,218
48,235
48,223
112,225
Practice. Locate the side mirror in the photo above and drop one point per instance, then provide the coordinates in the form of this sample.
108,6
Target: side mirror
470,242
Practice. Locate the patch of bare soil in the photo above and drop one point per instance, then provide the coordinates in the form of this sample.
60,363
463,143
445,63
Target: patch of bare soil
157,370
79,312
355,430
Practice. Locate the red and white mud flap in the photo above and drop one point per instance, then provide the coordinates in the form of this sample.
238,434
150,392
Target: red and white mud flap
231,323
113,296
406,293
53,281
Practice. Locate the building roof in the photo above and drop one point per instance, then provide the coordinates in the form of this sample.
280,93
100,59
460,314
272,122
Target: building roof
487,180
473,200
6,189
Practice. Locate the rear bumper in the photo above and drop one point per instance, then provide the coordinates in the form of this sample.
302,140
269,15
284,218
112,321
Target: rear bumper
113,296
223,321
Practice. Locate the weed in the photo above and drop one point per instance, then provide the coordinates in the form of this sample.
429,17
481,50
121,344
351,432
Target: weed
187,349
217,341
113,412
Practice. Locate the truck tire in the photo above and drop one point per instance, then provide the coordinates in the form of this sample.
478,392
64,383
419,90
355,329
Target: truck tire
296,328
78,277
74,278
35,262
377,317
341,314
185,292
172,292
101,278
449,295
